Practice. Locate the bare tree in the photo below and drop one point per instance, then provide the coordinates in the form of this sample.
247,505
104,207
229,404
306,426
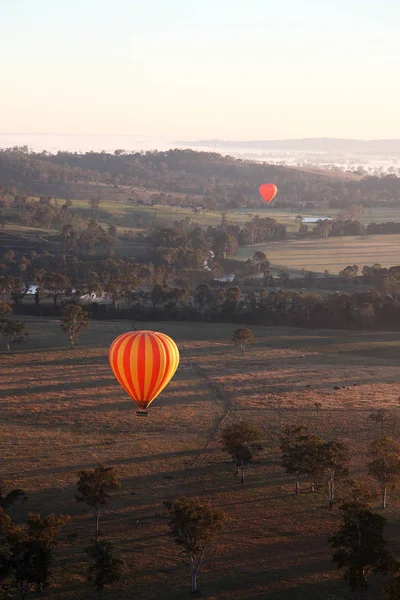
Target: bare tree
334,462
385,464
74,320
242,337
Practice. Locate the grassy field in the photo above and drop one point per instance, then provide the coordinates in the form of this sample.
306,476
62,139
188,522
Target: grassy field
170,214
166,215
63,411
332,254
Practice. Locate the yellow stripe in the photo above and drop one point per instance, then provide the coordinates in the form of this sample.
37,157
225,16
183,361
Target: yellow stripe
174,361
161,371
113,350
174,354
112,357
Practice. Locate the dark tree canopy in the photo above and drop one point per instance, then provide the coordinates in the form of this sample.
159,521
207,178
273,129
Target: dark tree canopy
243,441
359,547
105,566
94,487
194,525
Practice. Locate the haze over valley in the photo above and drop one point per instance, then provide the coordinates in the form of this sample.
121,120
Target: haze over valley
372,156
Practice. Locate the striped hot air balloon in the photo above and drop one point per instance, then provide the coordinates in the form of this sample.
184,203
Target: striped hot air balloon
143,362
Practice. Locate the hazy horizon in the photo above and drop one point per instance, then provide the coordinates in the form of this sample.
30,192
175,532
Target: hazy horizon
197,139
227,69
380,156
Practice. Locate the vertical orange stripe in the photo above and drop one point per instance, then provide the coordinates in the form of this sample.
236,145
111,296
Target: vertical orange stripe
127,366
156,374
135,366
148,365
122,371
141,362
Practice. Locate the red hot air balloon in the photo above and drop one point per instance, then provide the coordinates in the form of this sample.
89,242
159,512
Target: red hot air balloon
268,191
143,362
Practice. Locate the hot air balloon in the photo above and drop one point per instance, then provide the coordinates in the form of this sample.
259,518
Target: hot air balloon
268,191
143,362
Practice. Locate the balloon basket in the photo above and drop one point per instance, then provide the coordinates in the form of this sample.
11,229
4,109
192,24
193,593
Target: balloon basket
142,413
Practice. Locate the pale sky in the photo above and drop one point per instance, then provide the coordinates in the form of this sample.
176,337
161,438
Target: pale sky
196,69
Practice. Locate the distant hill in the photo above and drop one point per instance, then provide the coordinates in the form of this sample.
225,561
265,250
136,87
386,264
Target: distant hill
338,145
205,178
173,171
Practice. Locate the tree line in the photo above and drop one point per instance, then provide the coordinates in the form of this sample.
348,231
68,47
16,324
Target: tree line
129,293
348,227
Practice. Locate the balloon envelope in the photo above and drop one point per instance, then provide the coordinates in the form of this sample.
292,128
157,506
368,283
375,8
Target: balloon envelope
268,191
143,362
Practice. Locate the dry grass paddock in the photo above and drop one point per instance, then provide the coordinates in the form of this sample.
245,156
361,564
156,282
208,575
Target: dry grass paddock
332,254
62,411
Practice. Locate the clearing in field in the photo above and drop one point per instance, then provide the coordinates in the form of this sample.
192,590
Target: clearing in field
62,411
